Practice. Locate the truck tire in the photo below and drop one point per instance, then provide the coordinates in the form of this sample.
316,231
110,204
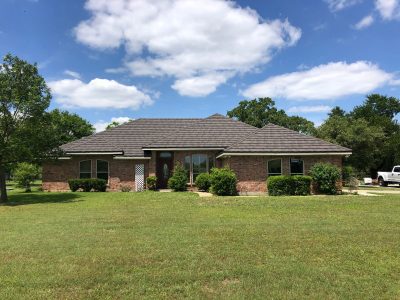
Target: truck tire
382,182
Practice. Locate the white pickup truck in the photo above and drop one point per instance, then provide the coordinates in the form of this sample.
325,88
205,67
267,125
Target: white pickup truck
385,178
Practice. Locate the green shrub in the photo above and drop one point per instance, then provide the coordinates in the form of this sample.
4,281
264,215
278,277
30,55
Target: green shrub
151,183
289,185
88,184
203,182
325,177
347,173
25,174
223,182
178,180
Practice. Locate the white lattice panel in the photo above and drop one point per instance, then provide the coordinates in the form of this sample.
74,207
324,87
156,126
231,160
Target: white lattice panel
139,178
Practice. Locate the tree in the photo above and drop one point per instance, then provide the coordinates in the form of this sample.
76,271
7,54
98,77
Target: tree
115,124
24,174
69,127
25,127
259,112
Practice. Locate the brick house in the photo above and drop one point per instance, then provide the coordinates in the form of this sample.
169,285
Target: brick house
127,154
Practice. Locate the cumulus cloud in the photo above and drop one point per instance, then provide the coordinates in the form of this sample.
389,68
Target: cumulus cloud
309,109
101,125
330,81
72,74
199,43
98,93
364,22
388,9
336,5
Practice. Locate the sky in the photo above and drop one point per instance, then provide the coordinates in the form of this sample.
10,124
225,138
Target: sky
126,59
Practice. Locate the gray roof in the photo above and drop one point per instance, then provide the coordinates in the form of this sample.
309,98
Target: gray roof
276,139
216,131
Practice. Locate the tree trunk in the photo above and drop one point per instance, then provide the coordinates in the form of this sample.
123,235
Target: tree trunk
3,190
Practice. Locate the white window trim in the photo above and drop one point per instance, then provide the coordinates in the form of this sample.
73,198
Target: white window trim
290,169
108,165
91,168
276,174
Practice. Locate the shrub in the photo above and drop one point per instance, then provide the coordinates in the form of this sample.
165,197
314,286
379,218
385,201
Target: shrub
203,182
88,184
25,174
325,177
126,188
178,180
151,183
289,185
347,173
223,182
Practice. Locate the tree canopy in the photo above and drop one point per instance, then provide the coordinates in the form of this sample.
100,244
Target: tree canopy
259,112
28,132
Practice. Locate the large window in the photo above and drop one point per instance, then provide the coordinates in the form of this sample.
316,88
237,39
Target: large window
85,169
196,164
102,169
296,166
275,167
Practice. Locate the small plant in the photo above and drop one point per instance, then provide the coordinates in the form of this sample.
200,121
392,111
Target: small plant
353,184
203,182
178,180
325,177
289,185
347,173
126,188
223,182
25,174
88,184
151,183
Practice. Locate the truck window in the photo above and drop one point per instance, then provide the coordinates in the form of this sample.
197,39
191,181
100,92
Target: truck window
396,170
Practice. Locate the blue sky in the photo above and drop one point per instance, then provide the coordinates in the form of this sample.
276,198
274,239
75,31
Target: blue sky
171,58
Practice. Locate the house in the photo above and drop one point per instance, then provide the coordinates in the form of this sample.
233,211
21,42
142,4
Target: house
126,155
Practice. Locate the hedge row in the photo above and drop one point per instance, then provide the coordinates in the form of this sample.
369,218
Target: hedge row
88,184
289,185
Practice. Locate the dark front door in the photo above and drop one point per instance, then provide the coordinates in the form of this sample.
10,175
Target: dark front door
165,165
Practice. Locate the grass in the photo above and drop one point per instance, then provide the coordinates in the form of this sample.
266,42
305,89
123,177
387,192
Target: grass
176,245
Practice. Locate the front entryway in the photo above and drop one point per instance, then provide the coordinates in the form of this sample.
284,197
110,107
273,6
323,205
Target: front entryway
165,165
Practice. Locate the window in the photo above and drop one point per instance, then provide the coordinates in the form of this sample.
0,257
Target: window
396,170
187,164
102,169
199,165
296,166
85,169
275,167
196,164
165,154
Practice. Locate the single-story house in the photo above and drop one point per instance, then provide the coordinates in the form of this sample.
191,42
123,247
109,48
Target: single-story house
127,154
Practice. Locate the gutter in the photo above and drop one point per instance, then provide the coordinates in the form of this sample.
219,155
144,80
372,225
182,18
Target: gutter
283,154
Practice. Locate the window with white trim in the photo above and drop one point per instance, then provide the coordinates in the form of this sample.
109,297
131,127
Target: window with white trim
102,169
275,167
85,169
296,166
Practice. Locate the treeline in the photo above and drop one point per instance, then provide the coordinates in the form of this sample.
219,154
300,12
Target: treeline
371,130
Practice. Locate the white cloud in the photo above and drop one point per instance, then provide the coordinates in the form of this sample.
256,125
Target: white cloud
192,41
330,81
116,70
73,74
98,93
364,22
309,109
101,125
336,5
388,9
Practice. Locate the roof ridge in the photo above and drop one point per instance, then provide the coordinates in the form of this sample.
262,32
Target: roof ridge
306,135
242,140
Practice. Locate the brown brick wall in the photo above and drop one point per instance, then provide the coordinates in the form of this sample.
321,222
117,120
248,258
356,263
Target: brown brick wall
251,171
121,172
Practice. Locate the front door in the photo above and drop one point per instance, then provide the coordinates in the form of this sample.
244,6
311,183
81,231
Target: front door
165,165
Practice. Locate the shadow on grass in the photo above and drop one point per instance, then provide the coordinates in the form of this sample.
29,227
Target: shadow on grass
36,198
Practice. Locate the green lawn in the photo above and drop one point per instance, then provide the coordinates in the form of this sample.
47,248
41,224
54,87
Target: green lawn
176,245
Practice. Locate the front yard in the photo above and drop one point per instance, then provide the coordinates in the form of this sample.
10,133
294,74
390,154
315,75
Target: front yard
173,245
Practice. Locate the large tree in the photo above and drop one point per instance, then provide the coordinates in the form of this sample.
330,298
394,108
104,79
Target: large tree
259,112
26,130
370,130
69,126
